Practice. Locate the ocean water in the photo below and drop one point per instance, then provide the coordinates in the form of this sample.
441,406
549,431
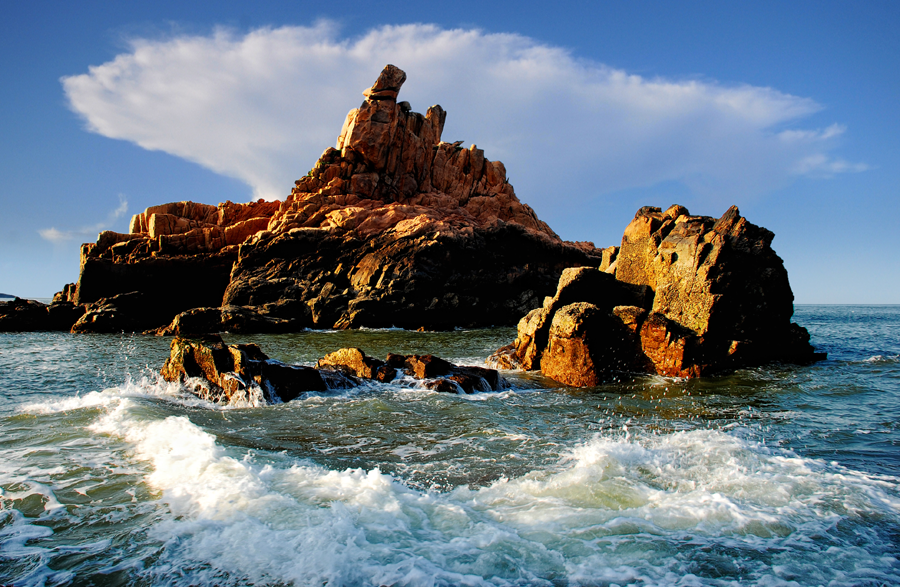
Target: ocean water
782,475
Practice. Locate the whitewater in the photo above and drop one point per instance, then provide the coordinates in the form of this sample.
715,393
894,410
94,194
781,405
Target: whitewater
783,475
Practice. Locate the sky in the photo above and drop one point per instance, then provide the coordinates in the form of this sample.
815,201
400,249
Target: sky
787,109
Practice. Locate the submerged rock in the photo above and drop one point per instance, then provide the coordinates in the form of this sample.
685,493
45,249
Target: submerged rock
391,227
438,374
357,363
468,379
685,296
242,374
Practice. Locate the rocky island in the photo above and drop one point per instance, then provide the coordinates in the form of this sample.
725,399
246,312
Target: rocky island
391,227
395,227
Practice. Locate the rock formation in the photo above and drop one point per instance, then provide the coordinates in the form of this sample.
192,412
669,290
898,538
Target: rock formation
19,315
244,374
392,227
224,373
683,296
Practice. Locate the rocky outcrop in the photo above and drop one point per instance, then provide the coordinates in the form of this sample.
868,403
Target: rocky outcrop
395,227
392,227
683,296
242,374
20,315
236,319
128,312
437,374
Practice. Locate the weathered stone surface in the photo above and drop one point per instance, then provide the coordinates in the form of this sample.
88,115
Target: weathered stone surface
712,296
432,280
356,362
587,345
719,278
240,373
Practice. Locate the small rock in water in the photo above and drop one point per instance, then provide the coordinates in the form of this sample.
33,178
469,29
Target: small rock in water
243,372
221,373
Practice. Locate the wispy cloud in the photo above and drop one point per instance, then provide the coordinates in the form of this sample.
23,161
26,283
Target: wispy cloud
57,236
261,107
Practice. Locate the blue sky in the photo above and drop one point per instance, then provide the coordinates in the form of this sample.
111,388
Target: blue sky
788,110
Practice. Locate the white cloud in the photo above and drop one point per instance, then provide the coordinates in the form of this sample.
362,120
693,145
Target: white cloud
262,106
57,236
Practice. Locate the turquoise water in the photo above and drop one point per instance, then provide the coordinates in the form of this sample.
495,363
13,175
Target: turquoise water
783,475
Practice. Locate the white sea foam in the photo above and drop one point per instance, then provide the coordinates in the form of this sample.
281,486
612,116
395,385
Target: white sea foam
883,359
143,387
649,510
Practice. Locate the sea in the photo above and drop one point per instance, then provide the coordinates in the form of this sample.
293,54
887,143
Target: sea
780,475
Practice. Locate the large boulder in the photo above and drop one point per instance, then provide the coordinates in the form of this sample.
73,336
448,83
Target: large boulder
707,295
576,284
392,227
356,362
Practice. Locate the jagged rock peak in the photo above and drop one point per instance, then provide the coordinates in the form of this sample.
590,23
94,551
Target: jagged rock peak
390,170
387,86
392,227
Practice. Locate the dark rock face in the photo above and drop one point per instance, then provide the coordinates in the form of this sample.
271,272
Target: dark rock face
170,284
434,280
242,373
21,315
392,227
18,315
238,319
685,296
119,313
63,315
